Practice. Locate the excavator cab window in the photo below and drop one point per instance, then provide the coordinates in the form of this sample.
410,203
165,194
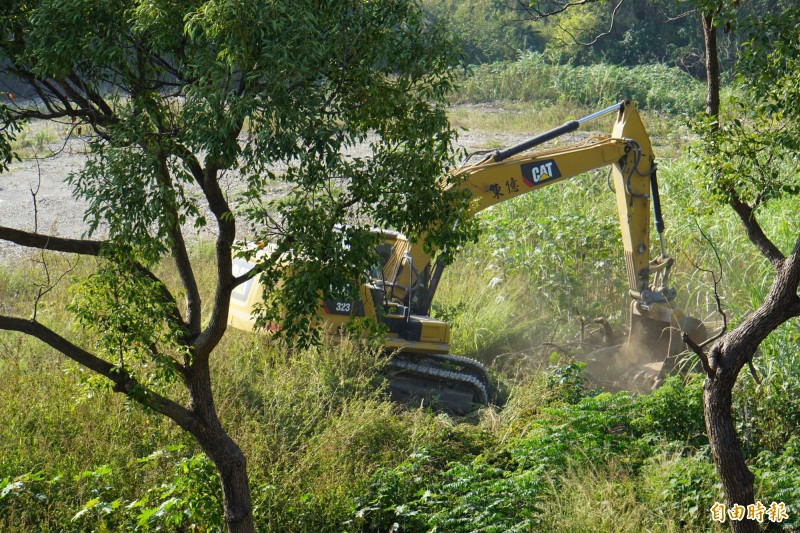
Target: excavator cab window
384,253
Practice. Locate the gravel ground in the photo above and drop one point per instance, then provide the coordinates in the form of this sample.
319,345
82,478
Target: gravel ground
56,212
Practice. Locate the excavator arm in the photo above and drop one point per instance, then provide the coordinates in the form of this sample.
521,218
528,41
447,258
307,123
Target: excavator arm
627,151
504,175
656,326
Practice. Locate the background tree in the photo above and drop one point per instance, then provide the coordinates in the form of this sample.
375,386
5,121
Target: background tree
488,30
176,98
636,32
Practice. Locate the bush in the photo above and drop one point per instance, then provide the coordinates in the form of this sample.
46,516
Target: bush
673,413
777,477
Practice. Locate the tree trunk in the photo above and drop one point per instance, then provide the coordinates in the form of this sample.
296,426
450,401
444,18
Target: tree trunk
712,64
727,358
226,455
728,355
232,467
737,480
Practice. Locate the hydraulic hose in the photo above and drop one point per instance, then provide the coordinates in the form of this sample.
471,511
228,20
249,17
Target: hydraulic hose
659,219
549,135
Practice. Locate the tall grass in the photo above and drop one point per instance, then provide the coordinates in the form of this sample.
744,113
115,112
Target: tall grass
554,255
533,79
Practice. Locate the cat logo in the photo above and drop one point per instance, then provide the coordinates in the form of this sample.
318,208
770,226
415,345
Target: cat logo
539,172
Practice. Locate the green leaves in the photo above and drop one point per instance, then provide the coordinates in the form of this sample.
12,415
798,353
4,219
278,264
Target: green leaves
191,499
369,78
135,323
177,94
750,152
9,129
476,496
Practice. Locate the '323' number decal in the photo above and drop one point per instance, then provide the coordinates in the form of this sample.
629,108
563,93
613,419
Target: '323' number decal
344,307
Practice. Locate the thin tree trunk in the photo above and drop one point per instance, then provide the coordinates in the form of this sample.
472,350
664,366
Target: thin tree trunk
712,64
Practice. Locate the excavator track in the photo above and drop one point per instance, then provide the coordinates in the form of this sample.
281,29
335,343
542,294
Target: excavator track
453,382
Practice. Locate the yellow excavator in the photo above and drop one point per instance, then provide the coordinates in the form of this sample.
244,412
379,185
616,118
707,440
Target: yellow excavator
399,293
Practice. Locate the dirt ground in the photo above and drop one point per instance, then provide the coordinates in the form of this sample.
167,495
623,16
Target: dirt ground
56,212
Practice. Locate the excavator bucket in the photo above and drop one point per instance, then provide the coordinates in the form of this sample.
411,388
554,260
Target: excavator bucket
652,352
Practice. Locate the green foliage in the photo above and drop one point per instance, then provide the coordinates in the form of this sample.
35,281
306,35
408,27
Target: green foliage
634,33
637,32
178,95
139,213
245,89
602,499
528,481
488,30
327,452
568,260
127,309
101,504
463,497
190,500
588,432
749,154
767,413
9,130
567,382
673,412
777,475
23,498
683,487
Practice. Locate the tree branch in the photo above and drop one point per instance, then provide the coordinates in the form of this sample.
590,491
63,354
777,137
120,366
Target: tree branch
710,372
716,280
541,10
226,223
258,269
753,371
599,35
81,247
181,257
793,261
215,328
123,381
755,233
49,242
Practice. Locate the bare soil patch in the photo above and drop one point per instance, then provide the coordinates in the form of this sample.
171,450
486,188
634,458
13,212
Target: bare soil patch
34,194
